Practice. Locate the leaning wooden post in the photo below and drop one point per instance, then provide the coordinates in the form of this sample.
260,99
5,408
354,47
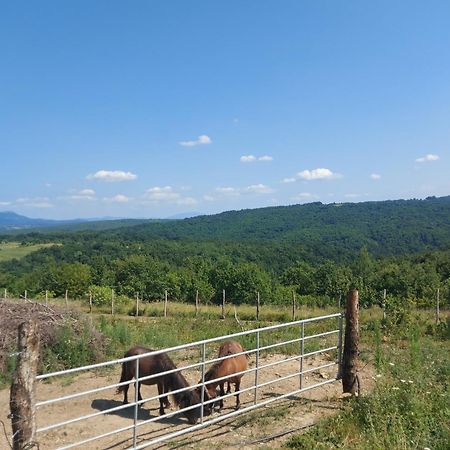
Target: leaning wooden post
90,302
384,304
66,298
22,401
258,305
223,304
294,305
137,305
437,306
26,294
165,303
196,303
350,381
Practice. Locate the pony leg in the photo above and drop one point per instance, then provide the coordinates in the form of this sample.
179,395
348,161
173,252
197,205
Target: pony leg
222,392
228,387
161,399
125,393
166,398
237,387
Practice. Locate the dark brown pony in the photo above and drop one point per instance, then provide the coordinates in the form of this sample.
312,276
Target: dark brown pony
152,365
228,366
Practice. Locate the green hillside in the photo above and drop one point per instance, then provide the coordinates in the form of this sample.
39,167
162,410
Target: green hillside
385,228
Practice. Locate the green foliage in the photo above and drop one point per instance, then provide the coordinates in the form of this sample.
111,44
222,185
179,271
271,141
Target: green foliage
100,295
408,408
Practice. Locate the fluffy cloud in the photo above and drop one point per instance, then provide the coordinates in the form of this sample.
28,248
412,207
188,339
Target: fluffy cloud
427,158
259,189
252,158
288,180
247,158
119,198
36,202
5,203
201,140
318,174
228,190
84,194
167,194
112,176
375,176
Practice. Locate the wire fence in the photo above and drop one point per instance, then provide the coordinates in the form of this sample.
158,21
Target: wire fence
138,431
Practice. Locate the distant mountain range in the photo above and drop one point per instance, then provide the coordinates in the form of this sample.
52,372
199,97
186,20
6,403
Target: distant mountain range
13,222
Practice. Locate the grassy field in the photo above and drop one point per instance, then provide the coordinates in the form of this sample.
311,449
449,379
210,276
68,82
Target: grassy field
14,250
410,406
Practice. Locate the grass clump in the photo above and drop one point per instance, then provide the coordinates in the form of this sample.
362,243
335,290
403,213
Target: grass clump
409,408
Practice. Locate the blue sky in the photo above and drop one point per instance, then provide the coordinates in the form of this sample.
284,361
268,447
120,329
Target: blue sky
153,108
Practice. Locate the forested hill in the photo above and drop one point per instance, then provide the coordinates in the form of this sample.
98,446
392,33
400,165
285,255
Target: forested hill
385,228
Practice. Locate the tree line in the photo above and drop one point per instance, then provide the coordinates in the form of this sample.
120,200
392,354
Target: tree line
131,269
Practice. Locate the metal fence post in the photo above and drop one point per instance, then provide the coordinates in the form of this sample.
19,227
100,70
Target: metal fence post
255,399
136,405
203,382
302,352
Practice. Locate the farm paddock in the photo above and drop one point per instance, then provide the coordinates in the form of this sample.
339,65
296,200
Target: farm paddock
302,410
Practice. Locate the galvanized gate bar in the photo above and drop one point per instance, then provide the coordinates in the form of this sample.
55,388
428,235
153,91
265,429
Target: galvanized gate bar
202,365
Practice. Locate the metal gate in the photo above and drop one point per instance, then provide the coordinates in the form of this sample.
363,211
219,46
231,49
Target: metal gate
138,432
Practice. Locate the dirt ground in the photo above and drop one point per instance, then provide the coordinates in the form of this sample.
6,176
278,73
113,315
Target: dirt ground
248,430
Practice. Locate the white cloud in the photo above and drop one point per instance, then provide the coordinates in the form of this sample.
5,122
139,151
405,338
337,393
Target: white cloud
318,174
427,158
228,190
288,180
259,189
247,158
112,176
253,158
208,198
5,203
119,198
36,202
167,194
84,194
375,176
201,140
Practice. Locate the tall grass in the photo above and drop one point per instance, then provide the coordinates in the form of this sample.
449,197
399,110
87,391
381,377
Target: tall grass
410,406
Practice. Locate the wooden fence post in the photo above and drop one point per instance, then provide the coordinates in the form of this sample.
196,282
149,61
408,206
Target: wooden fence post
350,380
26,294
90,302
46,297
437,306
223,304
66,299
22,401
196,303
5,294
137,305
294,305
258,305
339,301
112,302
384,304
165,303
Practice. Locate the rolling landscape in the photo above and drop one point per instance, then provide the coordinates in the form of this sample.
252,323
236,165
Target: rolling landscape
225,225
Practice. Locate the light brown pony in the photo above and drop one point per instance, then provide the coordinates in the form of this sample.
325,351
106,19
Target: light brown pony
228,366
152,365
